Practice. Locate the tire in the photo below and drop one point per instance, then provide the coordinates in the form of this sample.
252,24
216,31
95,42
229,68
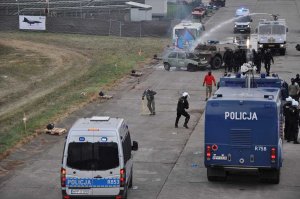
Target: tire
271,176
190,68
216,62
216,175
167,66
282,51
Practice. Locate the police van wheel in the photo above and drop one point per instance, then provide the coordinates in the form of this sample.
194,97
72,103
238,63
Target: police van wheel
271,176
215,174
167,66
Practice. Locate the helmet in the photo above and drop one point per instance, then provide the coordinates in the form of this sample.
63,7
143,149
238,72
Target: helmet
185,94
295,103
289,99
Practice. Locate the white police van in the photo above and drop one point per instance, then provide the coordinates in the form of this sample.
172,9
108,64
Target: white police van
242,21
97,159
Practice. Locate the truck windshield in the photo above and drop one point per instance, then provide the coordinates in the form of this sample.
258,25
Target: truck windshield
271,29
93,156
182,32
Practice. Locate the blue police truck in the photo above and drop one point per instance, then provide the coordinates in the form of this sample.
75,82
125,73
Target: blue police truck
243,128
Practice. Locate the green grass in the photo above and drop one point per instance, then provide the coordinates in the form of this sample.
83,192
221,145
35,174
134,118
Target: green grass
110,58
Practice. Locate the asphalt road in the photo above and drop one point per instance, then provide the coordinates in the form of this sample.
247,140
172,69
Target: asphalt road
169,163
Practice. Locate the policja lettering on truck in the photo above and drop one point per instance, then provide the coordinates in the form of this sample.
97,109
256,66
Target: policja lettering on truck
240,116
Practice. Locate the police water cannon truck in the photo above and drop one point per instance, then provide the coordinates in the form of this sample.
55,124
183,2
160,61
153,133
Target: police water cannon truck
244,127
271,34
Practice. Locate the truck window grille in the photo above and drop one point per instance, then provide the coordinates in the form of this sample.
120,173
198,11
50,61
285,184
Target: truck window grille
240,138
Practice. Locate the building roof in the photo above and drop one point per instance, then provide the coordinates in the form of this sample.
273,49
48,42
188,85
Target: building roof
139,5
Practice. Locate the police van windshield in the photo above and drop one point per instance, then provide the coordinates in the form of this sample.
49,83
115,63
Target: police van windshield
243,19
272,29
93,156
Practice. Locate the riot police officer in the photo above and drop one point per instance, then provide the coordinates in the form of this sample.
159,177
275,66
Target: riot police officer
181,106
294,125
268,57
286,109
228,60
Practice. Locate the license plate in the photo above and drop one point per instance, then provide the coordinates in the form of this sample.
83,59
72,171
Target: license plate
271,45
79,191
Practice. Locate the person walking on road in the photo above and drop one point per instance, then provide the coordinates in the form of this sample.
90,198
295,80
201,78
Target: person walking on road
287,117
150,99
228,60
236,60
181,106
268,57
294,90
294,128
209,80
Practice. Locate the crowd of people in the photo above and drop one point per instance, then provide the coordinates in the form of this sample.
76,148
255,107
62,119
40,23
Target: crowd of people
233,60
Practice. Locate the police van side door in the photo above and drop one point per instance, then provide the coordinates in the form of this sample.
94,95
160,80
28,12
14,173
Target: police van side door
78,165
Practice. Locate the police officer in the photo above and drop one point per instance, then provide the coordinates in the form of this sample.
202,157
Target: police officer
257,59
268,57
294,90
181,106
286,114
228,60
294,122
150,99
236,60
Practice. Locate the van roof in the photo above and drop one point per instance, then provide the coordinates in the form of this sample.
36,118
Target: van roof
242,12
103,123
253,94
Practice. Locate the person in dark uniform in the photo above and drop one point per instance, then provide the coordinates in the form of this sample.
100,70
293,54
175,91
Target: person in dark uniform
294,128
284,90
150,99
297,79
181,106
286,114
268,57
257,59
236,60
228,60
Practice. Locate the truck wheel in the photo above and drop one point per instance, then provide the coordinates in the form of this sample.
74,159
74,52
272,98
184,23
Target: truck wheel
167,66
216,62
190,68
269,176
214,174
282,51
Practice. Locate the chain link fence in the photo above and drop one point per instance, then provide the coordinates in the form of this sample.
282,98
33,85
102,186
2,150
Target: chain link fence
97,17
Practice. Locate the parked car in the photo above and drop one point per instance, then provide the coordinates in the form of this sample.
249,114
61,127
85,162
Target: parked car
183,59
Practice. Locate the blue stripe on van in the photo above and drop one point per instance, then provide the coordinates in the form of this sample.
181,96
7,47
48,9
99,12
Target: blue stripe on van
93,182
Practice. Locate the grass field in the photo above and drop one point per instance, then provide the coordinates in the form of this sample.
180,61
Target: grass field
42,75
